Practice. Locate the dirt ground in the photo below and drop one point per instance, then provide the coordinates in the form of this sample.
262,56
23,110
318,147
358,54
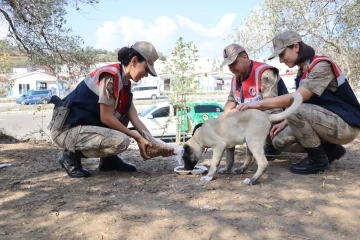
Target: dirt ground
39,200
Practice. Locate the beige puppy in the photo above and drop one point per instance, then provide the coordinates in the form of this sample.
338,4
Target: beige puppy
225,132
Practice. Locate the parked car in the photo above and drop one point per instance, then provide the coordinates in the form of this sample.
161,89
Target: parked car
35,97
160,118
152,92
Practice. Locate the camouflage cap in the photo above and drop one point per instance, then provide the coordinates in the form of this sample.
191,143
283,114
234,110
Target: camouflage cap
148,51
230,53
283,40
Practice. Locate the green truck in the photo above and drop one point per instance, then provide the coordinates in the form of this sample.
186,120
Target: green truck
160,118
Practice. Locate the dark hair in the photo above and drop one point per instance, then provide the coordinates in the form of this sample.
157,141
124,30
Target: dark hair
243,53
305,52
125,55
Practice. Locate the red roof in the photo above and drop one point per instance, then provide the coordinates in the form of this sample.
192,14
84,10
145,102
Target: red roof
49,73
3,79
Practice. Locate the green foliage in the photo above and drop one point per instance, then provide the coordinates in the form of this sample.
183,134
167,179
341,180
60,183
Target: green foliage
182,67
4,85
85,59
37,27
106,56
15,57
6,46
330,26
4,62
4,57
162,57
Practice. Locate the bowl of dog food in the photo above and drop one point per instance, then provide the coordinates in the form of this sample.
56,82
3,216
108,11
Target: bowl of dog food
196,171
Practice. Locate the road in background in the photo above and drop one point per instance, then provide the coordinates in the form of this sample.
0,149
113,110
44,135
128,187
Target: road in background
12,106
31,121
31,124
22,121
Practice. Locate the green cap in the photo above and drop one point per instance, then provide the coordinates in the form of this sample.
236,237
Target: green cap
283,40
230,53
148,51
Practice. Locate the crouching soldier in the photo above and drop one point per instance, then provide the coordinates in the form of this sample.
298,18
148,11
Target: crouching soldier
91,121
252,81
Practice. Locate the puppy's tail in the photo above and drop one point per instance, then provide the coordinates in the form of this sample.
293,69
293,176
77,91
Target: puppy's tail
297,101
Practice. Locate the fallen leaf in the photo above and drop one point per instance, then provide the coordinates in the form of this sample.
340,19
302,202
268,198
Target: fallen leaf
266,205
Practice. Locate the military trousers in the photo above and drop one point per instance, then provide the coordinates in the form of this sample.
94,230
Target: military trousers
309,126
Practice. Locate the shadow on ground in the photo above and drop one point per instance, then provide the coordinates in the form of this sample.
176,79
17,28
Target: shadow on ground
39,201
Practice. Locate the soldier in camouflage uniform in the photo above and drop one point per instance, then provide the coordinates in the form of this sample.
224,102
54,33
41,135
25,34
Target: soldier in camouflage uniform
329,116
252,81
98,111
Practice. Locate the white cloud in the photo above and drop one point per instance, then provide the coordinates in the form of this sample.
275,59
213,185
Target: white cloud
208,48
127,31
106,35
219,30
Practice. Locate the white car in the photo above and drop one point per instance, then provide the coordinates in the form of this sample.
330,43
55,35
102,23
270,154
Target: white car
160,120
152,92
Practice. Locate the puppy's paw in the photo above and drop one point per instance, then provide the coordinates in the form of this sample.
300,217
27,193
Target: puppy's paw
238,170
223,170
247,181
206,178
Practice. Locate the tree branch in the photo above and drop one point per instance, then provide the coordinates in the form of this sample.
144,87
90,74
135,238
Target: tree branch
12,27
327,41
20,14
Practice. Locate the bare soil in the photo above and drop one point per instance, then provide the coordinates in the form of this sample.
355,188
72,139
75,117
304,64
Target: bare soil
39,201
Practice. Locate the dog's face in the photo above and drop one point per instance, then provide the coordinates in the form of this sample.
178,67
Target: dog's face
189,158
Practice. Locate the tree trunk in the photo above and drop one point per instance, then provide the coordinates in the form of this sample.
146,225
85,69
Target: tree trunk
178,137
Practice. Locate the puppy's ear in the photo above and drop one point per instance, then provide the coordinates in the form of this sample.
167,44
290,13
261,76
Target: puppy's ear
187,150
188,158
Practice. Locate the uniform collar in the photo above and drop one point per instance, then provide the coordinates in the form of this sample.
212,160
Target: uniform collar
242,79
123,78
306,65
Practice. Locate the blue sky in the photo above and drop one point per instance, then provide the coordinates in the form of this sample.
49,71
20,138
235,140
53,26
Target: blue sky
115,23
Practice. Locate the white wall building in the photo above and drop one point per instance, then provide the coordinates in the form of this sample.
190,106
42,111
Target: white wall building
214,81
208,74
22,83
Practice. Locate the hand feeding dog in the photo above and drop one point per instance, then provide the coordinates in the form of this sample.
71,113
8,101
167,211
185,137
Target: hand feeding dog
235,128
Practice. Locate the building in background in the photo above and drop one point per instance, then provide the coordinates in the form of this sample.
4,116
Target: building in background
208,75
22,83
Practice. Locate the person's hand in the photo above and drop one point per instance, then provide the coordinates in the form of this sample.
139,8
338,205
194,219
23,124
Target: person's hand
249,105
277,128
143,144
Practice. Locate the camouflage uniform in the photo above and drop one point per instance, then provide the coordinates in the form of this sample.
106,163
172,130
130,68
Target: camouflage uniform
312,124
94,141
269,88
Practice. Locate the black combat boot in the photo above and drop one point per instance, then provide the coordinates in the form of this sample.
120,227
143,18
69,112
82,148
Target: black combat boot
316,161
114,163
71,162
333,151
270,152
